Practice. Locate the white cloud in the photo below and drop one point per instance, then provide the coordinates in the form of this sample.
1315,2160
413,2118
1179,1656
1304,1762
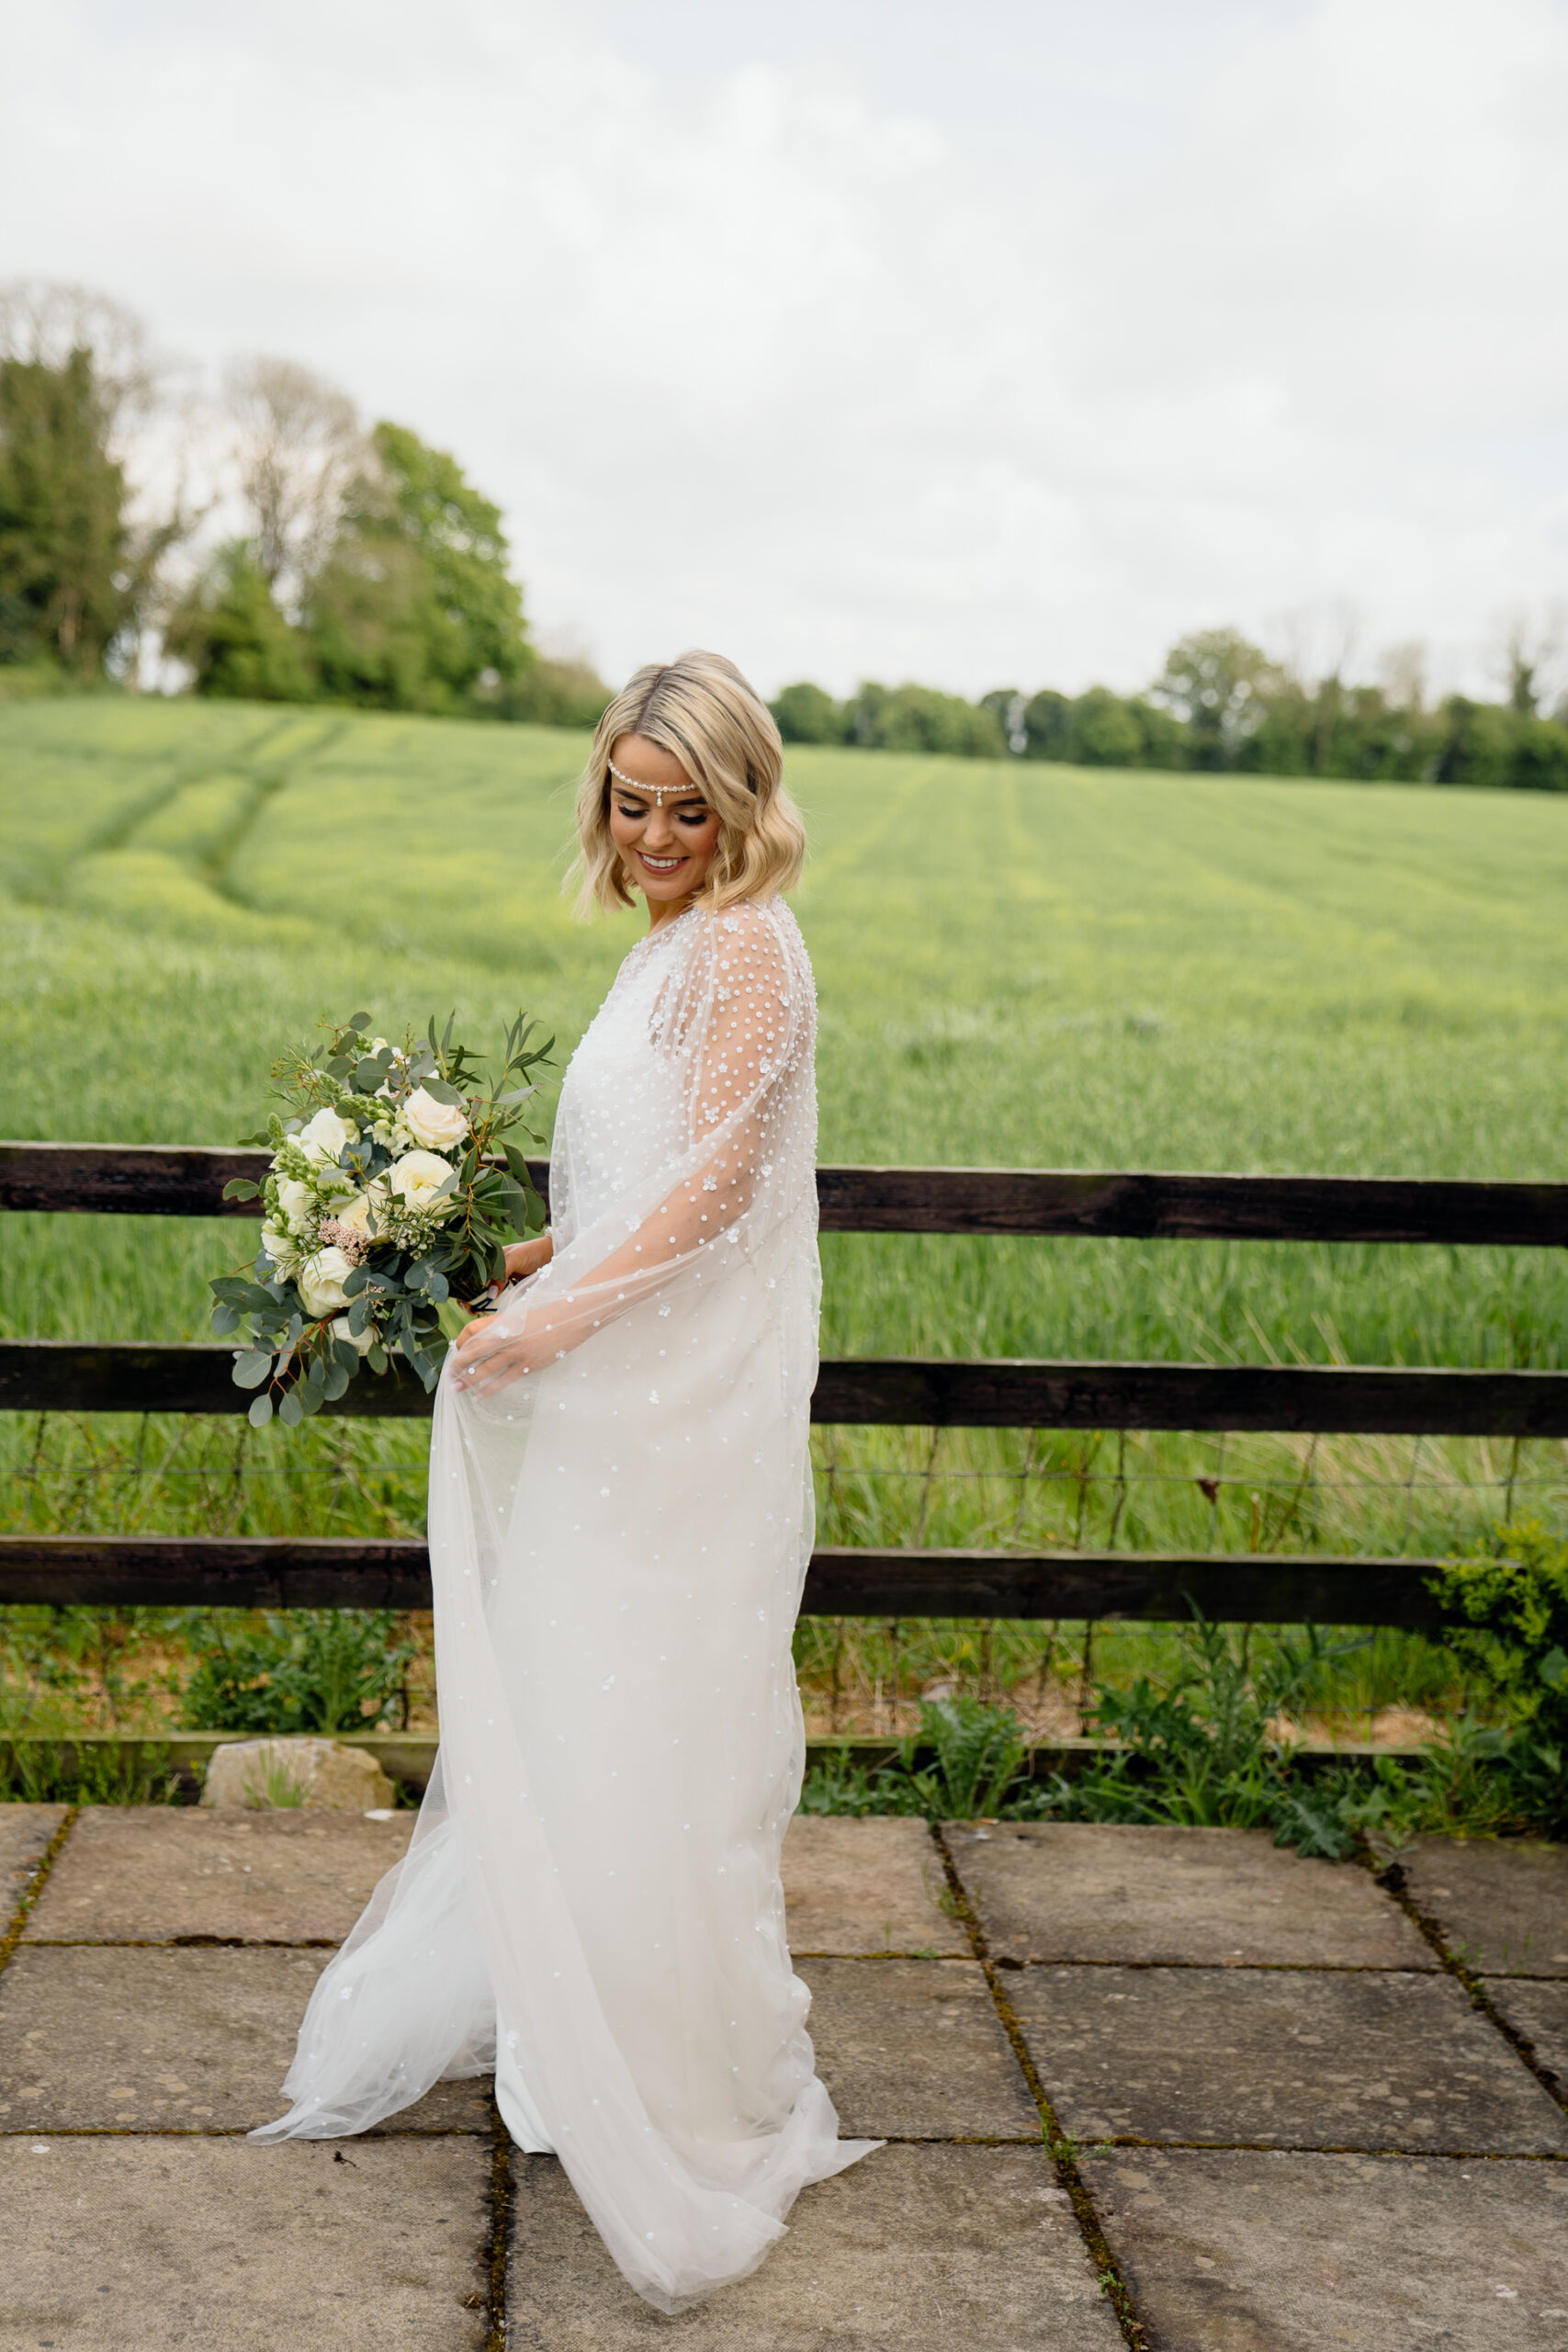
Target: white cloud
763,359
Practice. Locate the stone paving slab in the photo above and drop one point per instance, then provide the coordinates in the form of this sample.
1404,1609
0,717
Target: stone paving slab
1284,2057
1229,2251
913,2250
1083,1891
165,1873
25,1833
126,2244
1539,2011
106,2038
1501,1902
865,1886
914,2050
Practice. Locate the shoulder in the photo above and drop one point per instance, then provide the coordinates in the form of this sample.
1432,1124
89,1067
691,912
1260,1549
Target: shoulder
757,930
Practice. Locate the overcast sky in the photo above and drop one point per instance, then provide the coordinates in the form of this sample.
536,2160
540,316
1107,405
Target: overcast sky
984,342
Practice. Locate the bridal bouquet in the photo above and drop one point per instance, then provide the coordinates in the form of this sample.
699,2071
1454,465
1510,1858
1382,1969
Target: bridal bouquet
390,1191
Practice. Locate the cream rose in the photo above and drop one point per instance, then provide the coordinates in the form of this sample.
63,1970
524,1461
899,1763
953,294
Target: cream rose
281,1246
364,1341
419,1177
294,1203
321,1279
325,1135
354,1213
437,1125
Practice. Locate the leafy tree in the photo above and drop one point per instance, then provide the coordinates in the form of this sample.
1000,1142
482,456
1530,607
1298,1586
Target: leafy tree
918,719
1006,705
65,589
550,693
415,606
237,642
1164,741
1104,732
1047,726
807,713
1217,684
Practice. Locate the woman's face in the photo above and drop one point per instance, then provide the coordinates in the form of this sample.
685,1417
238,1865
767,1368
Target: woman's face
668,844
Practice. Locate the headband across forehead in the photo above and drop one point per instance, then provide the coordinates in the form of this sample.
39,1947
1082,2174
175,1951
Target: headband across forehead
676,791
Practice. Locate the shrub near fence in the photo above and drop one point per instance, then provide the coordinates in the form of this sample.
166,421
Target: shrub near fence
52,1375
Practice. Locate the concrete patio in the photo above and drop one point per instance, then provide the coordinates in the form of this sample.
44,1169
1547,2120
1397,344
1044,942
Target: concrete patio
1293,2108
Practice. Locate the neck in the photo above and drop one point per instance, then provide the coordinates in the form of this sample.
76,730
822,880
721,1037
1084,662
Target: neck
663,910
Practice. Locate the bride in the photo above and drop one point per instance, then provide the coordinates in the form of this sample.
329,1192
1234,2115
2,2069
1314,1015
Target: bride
620,1519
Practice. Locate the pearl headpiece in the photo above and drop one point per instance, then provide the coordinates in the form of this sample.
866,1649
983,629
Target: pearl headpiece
676,791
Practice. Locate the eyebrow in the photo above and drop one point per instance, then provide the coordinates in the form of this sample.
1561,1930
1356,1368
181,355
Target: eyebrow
646,792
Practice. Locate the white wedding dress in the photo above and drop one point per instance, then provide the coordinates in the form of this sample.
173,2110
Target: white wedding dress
590,1902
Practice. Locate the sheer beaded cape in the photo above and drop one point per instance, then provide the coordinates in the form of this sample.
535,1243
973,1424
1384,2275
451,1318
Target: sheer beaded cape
590,1902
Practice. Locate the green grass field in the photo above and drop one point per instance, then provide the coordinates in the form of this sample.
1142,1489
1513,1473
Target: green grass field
1019,965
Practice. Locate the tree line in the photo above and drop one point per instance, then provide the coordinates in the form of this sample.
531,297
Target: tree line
317,561
279,550
1222,704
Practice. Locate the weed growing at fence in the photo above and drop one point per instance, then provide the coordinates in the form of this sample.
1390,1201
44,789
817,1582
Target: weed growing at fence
58,1772
312,1670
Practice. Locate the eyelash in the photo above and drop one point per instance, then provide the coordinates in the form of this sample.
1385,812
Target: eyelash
681,816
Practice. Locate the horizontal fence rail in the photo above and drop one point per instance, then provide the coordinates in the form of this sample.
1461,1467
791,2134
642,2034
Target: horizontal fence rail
285,1572
39,1375
157,1181
933,1392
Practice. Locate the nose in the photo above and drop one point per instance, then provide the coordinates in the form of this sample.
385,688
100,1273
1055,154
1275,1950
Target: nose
660,834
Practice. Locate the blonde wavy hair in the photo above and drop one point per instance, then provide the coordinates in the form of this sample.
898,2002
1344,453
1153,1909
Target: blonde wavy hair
702,711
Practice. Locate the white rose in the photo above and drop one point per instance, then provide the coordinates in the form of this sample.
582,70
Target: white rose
321,1279
437,1125
419,1177
364,1341
294,1203
326,1137
354,1213
280,1247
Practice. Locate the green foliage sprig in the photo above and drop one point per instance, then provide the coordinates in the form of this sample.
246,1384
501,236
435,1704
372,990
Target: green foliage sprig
395,1186
1507,1603
314,1670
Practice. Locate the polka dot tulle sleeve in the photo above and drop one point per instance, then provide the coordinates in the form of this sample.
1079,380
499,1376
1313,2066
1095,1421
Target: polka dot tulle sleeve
695,1079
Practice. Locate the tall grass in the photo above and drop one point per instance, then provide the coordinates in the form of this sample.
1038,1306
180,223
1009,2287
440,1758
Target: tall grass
1016,966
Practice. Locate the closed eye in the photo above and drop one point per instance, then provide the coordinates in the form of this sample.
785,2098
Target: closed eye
692,812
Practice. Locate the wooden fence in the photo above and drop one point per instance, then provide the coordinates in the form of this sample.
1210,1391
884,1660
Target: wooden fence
40,1376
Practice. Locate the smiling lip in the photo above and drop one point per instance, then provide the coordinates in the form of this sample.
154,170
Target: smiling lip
659,864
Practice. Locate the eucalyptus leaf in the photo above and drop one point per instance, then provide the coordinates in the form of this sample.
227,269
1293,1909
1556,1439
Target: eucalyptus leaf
441,1090
260,1412
291,1412
225,1319
309,1397
240,1188
250,1367
375,1357
368,1074
359,1020
352,1283
335,1383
